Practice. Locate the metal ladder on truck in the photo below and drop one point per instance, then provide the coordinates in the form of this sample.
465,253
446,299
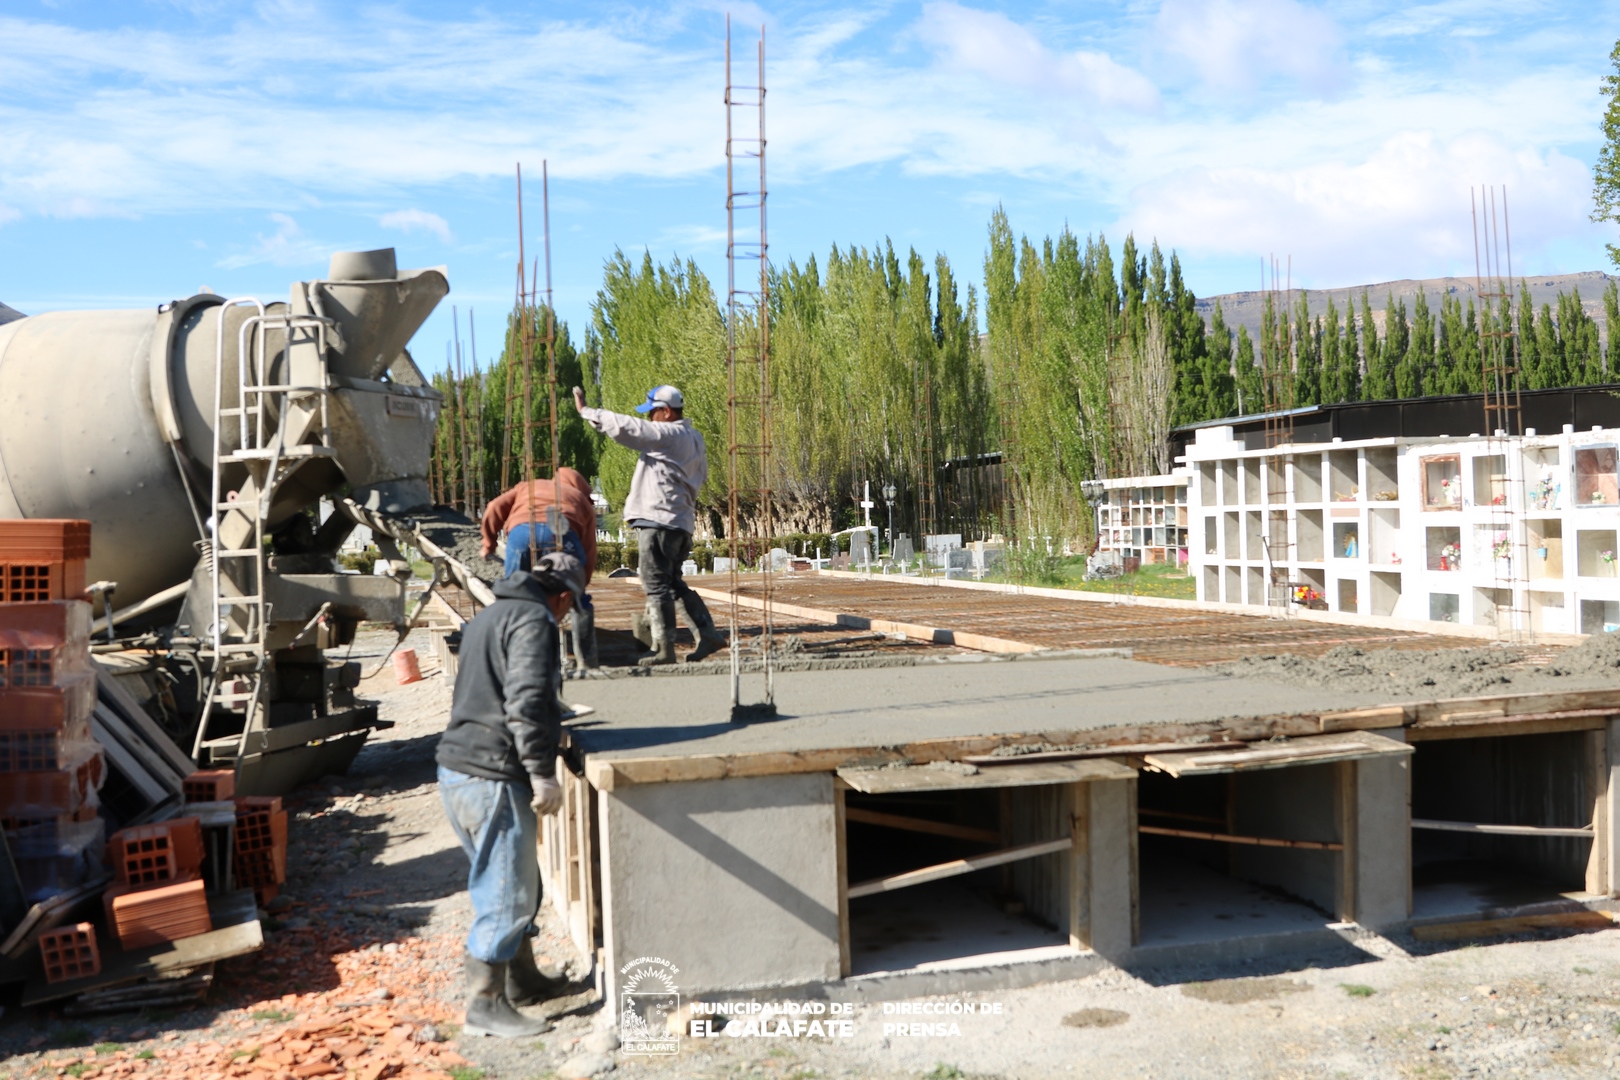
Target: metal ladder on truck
273,423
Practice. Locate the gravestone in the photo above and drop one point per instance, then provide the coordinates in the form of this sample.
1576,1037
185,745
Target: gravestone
860,548
901,550
940,546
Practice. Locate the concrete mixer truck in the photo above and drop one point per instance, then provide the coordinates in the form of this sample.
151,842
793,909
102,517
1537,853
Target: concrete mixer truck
198,439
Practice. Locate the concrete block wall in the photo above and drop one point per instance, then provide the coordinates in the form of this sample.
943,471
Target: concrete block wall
735,881
1499,532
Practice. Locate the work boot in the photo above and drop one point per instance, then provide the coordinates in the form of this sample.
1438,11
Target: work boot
661,619
709,640
488,1010
585,638
526,984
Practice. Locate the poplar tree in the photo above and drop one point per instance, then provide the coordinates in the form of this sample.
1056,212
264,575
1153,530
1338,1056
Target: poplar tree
1220,388
1251,395
1611,320
1379,382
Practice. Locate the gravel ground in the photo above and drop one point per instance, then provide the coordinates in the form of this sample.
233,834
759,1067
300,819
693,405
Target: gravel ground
376,903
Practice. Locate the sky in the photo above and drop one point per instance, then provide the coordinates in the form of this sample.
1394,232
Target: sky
149,148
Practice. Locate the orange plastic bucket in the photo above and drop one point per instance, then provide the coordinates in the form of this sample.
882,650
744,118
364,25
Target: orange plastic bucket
405,667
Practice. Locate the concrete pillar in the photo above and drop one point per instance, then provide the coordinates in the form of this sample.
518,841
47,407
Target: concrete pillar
1608,824
734,882
1111,871
1378,847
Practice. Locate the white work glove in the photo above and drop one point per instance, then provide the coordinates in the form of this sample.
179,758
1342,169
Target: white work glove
548,797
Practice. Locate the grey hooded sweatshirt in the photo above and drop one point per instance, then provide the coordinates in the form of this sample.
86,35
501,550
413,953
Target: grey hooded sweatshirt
672,467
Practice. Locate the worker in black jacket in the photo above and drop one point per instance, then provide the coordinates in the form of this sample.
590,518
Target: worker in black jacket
497,773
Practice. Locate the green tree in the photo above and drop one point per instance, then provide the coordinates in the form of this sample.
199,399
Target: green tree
1219,386
1251,393
1379,382
1416,368
1606,173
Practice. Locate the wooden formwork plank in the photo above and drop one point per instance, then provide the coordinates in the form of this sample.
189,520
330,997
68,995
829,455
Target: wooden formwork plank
1311,750
846,965
926,778
937,635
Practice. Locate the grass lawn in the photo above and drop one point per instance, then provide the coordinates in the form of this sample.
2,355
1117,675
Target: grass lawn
1162,580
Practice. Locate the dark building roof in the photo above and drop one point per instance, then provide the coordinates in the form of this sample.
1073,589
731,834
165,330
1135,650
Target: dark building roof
1459,415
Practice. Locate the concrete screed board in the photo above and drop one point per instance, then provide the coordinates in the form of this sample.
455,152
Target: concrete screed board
746,868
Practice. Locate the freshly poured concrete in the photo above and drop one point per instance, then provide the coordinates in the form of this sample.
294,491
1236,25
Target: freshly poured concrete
824,710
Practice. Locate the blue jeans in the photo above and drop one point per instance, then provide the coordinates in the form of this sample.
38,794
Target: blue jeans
517,546
496,825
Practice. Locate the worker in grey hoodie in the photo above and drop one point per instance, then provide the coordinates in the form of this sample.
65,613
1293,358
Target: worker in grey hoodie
662,508
497,774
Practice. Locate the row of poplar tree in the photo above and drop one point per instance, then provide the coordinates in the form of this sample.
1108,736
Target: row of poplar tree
878,375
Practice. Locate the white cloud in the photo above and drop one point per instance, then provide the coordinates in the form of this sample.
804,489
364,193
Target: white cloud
991,45
287,246
1376,217
691,238
1239,44
9,213
409,221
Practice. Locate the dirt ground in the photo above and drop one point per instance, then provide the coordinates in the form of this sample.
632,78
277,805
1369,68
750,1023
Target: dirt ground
362,969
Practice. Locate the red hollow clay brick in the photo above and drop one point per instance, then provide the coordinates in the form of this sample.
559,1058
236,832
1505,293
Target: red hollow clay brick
210,785
70,953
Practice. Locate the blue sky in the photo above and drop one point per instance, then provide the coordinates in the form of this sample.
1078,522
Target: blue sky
149,147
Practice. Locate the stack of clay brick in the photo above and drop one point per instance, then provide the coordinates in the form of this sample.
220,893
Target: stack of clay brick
159,894
258,833
50,767
261,845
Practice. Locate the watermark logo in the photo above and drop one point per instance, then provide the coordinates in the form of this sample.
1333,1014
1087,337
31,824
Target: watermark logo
648,998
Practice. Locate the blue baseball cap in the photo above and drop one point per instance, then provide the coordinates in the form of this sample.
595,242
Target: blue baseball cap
662,395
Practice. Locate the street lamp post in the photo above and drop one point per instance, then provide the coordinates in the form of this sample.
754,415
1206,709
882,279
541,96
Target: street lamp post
888,497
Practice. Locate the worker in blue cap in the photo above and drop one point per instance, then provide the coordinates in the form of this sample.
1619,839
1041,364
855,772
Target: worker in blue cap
662,508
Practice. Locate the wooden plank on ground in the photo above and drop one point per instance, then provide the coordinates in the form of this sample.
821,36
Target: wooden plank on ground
1310,750
236,932
952,776
110,690
1563,920
141,774
940,871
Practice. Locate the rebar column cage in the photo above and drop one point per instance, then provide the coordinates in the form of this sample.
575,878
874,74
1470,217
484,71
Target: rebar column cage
748,453
1500,383
1277,381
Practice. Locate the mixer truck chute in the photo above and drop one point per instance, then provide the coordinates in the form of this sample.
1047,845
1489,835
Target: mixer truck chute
198,439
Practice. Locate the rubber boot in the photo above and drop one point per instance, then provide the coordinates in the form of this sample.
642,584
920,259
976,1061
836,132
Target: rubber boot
488,1010
526,984
585,637
709,640
661,618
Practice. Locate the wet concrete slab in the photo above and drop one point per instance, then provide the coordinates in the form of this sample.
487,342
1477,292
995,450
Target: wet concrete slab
818,710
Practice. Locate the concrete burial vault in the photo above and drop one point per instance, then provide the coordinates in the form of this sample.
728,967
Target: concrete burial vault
964,824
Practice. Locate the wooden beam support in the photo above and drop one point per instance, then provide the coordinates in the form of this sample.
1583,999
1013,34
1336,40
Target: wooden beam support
1500,830
940,871
922,825
1255,841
